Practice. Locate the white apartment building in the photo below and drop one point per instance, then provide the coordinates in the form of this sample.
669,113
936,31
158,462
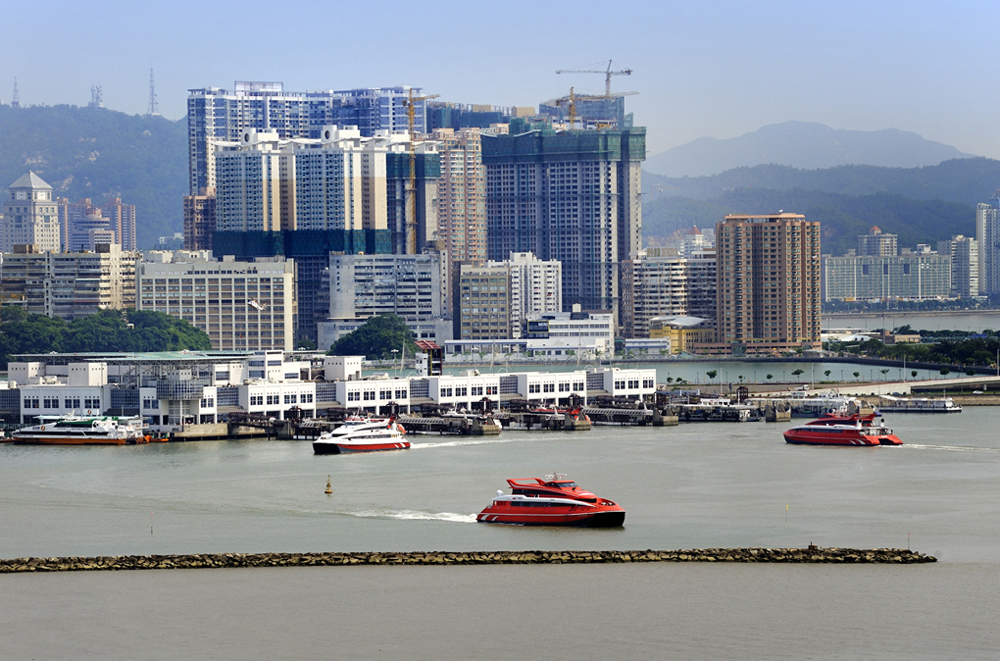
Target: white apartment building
218,114
988,237
964,252
268,184
414,287
242,306
535,288
72,284
659,284
30,216
362,286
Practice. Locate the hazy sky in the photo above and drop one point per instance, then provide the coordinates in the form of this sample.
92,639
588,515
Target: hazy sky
703,68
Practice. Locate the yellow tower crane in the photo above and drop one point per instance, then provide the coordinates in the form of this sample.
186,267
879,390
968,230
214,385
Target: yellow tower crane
571,99
607,75
411,221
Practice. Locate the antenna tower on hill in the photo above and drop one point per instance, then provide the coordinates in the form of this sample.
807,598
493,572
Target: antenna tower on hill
16,101
154,107
96,97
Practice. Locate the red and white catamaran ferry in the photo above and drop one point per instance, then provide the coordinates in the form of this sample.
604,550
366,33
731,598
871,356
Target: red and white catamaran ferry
362,436
554,501
839,429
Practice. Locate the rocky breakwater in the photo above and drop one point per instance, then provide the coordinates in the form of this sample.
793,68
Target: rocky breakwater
219,560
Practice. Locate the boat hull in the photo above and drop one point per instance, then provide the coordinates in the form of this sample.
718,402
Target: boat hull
846,440
70,440
347,448
605,519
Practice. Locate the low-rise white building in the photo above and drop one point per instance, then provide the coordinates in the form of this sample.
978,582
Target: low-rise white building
175,389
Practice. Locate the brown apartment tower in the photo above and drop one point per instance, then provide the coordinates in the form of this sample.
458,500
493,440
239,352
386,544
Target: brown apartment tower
768,282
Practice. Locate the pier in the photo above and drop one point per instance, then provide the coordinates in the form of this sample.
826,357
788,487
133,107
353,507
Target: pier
811,554
448,425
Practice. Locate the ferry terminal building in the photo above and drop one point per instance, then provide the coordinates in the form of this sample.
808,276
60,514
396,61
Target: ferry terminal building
173,389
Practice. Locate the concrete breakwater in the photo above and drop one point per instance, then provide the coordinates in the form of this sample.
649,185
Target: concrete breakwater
221,560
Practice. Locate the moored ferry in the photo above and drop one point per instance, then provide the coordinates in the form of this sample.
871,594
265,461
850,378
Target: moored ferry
919,405
82,430
837,429
554,501
360,436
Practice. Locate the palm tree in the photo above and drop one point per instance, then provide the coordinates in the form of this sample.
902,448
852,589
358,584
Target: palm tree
857,375
712,374
770,376
913,374
827,373
884,372
797,372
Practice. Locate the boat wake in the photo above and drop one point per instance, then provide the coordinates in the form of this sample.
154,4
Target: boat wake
949,448
413,515
456,443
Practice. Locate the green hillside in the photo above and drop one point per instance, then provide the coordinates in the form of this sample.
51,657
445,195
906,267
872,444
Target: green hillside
100,153
843,217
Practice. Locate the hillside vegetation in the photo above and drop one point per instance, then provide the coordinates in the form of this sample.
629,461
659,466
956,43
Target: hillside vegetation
921,205
106,330
842,217
967,180
100,154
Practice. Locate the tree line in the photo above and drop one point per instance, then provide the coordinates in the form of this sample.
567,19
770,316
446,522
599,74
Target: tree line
106,330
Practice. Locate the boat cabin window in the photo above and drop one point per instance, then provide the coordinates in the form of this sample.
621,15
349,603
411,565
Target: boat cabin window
561,485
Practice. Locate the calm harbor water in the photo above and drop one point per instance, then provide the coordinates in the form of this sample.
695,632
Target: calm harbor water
967,322
710,484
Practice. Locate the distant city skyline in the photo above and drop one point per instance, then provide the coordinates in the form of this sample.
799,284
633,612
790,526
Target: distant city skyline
718,69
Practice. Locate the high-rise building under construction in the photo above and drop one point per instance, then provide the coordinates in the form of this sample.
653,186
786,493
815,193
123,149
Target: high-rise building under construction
572,196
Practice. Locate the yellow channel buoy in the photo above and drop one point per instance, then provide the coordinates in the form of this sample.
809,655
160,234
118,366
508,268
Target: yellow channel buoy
329,489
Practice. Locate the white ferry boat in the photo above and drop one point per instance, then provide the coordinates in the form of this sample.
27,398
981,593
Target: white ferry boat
918,405
83,430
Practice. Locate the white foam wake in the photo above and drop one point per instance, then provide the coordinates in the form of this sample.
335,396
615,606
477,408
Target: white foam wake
455,443
948,448
413,515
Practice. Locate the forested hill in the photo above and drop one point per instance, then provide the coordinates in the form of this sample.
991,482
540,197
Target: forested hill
100,153
966,180
921,205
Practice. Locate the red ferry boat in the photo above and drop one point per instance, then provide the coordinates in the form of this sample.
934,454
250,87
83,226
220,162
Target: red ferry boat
362,436
836,429
554,501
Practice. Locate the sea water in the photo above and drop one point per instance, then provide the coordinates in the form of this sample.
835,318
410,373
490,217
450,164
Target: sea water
696,485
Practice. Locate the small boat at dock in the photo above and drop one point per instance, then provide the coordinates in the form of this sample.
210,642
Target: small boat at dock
893,404
83,430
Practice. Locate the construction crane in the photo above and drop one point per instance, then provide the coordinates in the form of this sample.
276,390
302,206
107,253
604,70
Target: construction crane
571,99
411,221
607,75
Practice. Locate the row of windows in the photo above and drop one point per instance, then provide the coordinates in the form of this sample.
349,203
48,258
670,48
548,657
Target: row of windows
68,403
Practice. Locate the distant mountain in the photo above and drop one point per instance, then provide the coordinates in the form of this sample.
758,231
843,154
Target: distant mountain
100,153
967,180
801,145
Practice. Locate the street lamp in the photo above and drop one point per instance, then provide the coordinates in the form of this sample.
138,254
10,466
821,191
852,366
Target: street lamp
394,352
